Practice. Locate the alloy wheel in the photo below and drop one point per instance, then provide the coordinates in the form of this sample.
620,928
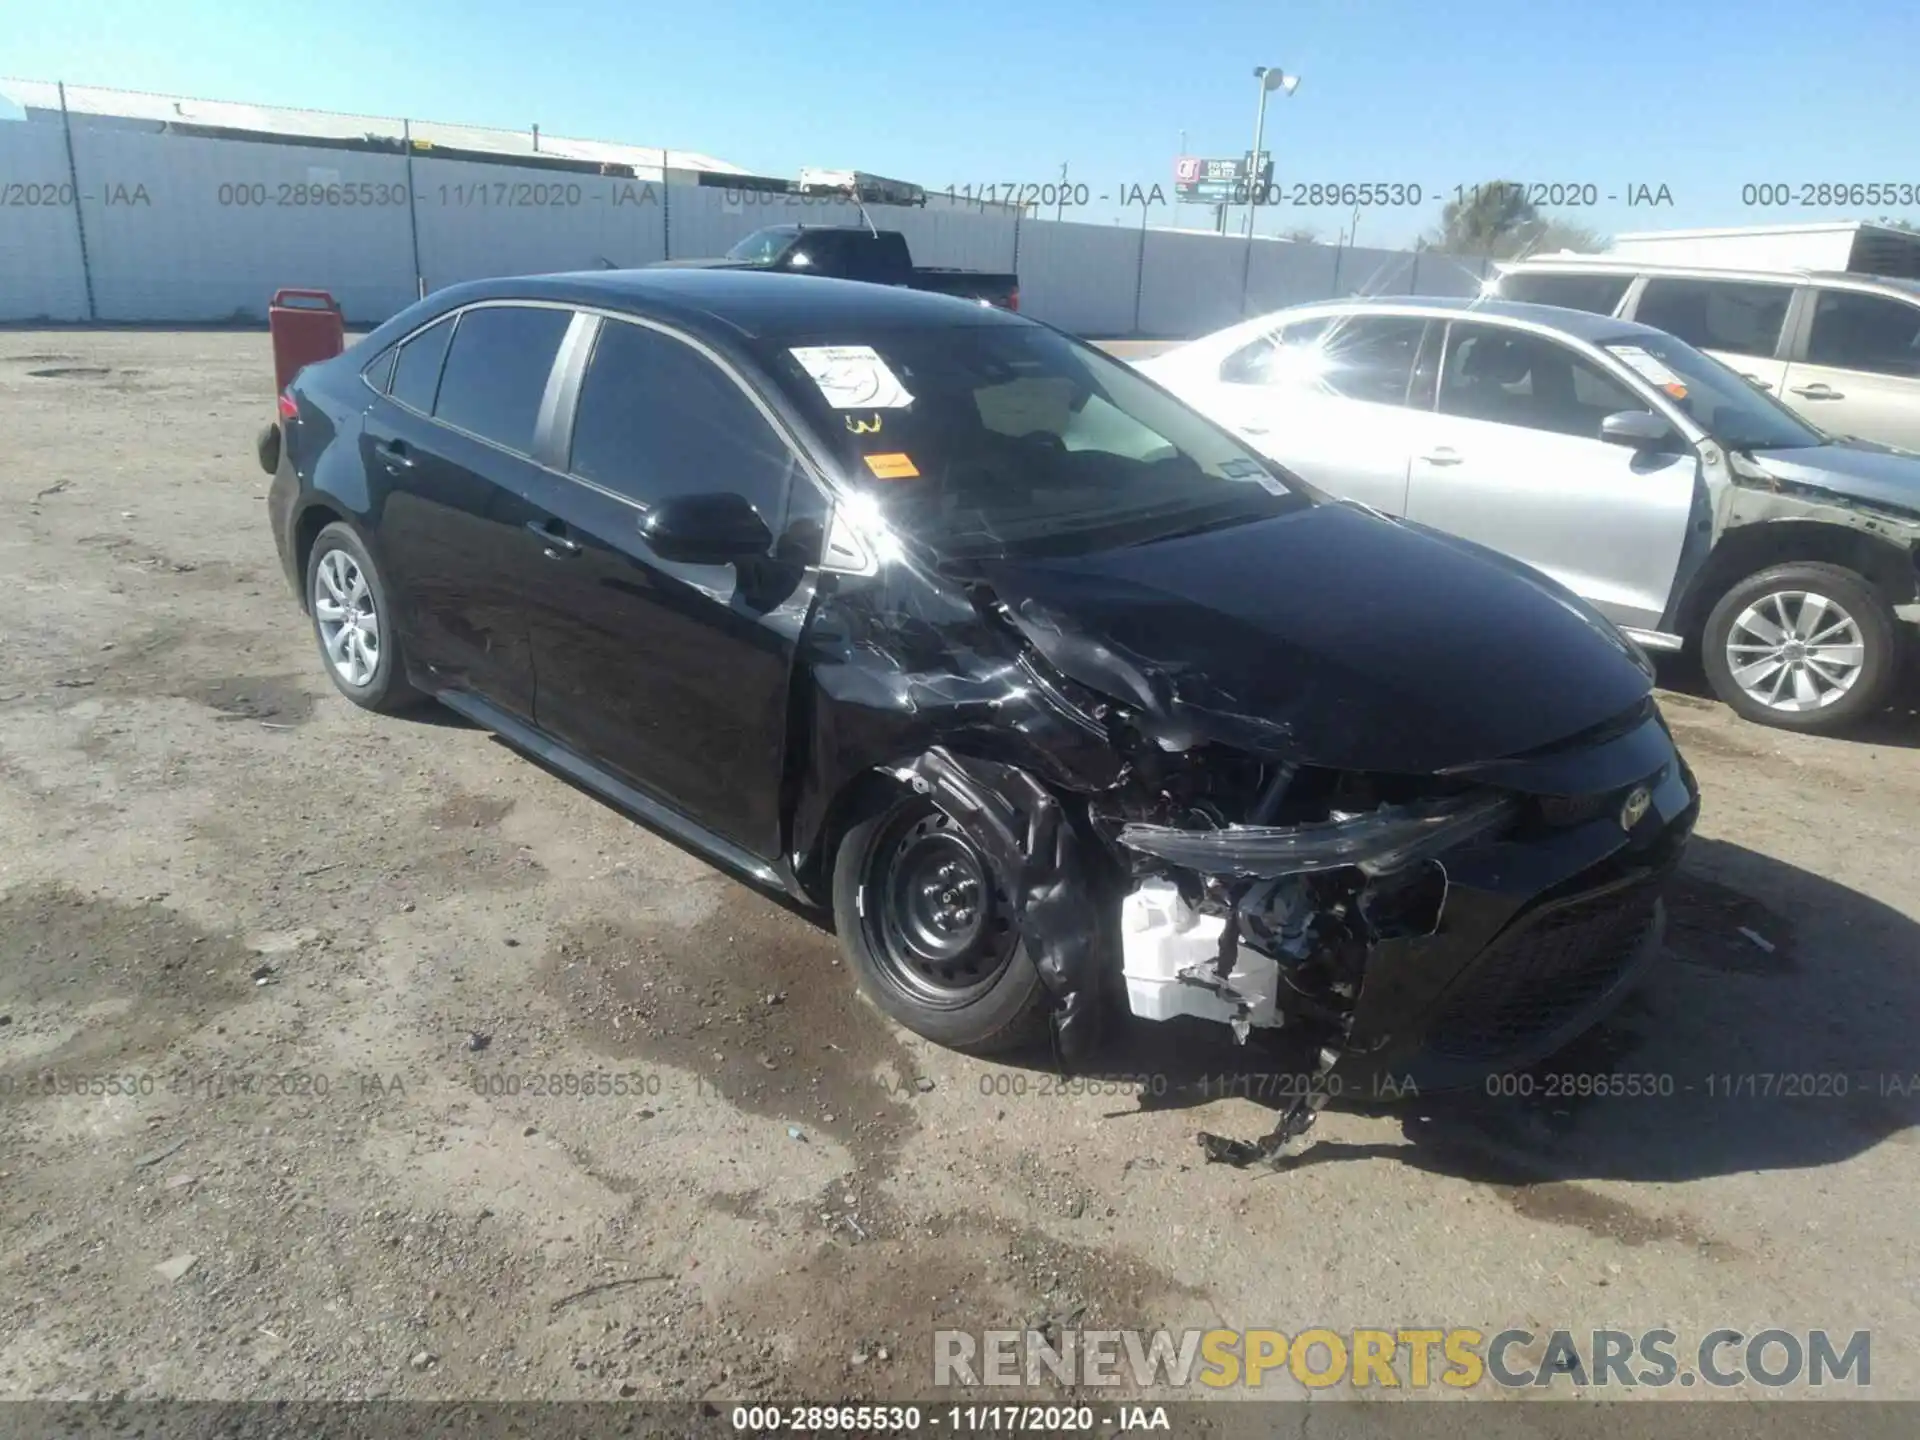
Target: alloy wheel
1795,650
349,624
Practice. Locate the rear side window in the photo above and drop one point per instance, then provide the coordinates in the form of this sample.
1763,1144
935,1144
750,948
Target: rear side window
497,371
1597,294
1741,317
379,370
1856,331
1354,357
416,370
657,418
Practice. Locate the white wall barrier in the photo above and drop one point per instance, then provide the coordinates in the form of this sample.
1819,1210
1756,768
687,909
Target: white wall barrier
1082,278
169,228
41,273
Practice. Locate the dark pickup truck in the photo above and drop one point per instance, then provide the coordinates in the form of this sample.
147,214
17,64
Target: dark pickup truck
852,252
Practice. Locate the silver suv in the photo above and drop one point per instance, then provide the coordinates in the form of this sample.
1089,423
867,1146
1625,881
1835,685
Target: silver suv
1682,503
1842,350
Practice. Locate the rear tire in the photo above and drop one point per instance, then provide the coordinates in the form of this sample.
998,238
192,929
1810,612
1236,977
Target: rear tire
927,926
1803,646
353,623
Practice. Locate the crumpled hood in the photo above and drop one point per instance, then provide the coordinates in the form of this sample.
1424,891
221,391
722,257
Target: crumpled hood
1333,636
1853,469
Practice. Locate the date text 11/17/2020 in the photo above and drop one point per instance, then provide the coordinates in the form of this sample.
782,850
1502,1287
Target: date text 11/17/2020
1315,194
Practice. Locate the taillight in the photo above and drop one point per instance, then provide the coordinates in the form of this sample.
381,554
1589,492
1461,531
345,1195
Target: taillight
289,407
1013,300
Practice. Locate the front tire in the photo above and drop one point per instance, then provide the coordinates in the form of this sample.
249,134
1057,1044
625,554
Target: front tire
927,926
353,623
1803,646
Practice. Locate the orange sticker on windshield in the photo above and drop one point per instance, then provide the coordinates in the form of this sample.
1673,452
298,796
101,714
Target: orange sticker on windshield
1676,390
892,466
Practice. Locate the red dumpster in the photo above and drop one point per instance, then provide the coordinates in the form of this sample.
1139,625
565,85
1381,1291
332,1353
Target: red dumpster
306,326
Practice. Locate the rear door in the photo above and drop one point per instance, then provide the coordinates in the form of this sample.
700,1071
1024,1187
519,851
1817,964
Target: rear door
1512,458
1861,374
1326,397
1741,323
453,437
675,676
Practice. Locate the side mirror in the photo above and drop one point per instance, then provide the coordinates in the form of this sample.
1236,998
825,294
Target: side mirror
705,530
1636,429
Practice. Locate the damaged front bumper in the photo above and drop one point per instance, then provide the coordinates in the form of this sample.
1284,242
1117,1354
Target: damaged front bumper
1425,944
1536,906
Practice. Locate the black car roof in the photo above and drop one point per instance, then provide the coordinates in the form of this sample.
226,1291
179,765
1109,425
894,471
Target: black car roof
751,303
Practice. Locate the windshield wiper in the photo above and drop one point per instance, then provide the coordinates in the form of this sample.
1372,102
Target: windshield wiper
1199,527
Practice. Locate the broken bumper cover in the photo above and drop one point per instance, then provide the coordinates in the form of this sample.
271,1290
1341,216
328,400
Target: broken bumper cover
1552,907
1540,938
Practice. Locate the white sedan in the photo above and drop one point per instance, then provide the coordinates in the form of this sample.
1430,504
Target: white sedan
1650,480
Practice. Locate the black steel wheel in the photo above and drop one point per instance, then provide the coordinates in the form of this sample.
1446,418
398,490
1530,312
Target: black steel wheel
928,926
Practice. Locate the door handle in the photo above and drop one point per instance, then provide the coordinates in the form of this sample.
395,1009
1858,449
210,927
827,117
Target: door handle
393,454
558,545
1819,392
1253,430
1442,455
1755,381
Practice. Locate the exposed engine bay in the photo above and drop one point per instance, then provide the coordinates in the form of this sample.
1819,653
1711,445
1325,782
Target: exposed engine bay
1247,893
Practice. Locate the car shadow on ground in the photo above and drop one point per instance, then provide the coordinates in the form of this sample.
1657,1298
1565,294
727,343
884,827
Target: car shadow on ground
1896,726
1775,1034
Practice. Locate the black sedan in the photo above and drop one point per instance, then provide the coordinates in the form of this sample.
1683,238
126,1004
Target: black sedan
1052,689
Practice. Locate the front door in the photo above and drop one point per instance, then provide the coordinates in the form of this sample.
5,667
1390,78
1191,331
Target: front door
1861,377
675,676
1512,458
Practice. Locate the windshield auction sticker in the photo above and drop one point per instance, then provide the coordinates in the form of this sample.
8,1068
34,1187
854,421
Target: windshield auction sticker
893,466
852,377
1646,366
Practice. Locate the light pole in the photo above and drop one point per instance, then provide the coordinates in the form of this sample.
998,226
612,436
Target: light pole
1271,78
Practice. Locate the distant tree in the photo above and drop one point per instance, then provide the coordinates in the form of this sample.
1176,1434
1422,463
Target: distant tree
1496,219
1893,224
1301,235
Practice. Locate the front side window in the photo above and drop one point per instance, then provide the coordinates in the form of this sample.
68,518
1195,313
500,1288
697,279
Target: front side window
1596,294
657,418
1350,357
1853,330
1741,317
496,371
990,440
1513,377
416,370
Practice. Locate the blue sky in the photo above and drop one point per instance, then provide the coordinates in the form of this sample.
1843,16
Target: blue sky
1701,97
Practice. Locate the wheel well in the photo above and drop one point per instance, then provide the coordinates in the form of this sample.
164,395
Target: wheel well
860,798
313,520
1752,548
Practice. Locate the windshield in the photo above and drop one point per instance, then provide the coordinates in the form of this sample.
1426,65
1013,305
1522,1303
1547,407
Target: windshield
762,247
1729,408
991,440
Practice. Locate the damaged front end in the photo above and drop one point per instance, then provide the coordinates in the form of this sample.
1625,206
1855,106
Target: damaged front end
1430,940
1428,929
1425,831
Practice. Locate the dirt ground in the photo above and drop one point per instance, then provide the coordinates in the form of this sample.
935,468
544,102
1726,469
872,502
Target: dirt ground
296,977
